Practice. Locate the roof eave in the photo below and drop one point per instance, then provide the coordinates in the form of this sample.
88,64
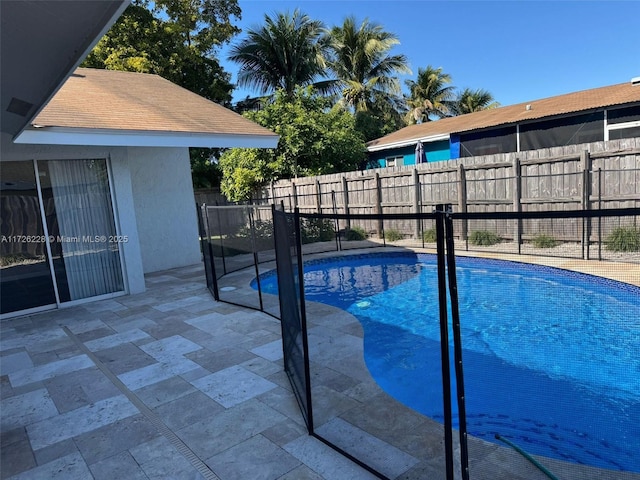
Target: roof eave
407,143
128,138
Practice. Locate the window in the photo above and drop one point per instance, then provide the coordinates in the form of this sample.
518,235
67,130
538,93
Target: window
397,161
623,123
562,131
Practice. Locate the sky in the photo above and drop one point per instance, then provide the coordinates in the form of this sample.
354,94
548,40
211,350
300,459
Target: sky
517,50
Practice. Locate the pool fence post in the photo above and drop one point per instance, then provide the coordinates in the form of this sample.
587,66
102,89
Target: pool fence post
444,341
457,342
345,199
254,249
517,202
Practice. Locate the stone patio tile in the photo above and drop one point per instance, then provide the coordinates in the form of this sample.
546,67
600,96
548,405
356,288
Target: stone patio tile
301,473
114,438
33,341
111,305
82,420
117,339
376,453
25,409
124,358
213,435
221,359
165,391
70,467
77,389
157,372
121,465
160,460
169,348
187,410
84,325
16,458
262,367
285,432
181,303
256,458
15,362
233,385
140,323
284,401
271,351
55,451
325,461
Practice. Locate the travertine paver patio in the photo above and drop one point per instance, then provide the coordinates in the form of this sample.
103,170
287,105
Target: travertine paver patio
170,384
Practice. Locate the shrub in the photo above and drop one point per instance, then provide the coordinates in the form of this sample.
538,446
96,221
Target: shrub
484,237
393,235
317,230
624,239
429,236
355,233
544,241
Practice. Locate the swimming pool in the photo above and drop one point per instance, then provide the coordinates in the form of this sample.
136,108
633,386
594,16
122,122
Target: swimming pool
551,358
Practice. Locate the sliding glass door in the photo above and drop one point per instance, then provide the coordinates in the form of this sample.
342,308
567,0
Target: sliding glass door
25,274
80,246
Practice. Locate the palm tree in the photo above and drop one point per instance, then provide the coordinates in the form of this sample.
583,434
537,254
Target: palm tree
284,53
364,70
470,101
430,95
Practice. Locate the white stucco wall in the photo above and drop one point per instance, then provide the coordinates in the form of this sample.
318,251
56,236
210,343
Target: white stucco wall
165,207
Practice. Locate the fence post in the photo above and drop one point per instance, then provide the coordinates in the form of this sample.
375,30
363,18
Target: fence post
517,201
318,197
462,200
380,231
294,190
585,161
272,193
345,198
416,202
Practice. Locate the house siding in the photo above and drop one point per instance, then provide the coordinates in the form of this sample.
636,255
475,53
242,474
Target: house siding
436,151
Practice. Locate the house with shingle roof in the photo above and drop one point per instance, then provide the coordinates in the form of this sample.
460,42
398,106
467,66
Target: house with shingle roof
96,189
599,114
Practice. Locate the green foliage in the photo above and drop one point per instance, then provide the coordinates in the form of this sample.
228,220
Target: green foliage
544,241
176,39
469,101
316,230
359,57
205,173
430,95
624,239
484,237
315,139
429,236
393,235
355,233
284,53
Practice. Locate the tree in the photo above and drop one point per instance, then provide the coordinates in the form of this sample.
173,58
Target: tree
285,53
315,138
430,95
469,101
366,72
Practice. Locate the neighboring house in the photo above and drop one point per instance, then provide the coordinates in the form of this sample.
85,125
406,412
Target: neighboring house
600,114
96,190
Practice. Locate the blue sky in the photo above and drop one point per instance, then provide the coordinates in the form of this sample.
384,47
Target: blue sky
518,50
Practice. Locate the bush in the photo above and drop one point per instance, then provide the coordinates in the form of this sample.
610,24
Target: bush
544,241
484,237
317,230
429,236
355,233
624,239
392,235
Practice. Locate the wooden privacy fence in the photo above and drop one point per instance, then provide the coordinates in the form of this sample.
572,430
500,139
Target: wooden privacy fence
579,177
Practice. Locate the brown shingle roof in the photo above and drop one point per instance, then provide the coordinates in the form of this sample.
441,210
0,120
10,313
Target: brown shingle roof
546,107
114,100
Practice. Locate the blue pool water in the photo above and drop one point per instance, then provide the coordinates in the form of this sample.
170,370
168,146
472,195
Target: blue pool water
551,358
